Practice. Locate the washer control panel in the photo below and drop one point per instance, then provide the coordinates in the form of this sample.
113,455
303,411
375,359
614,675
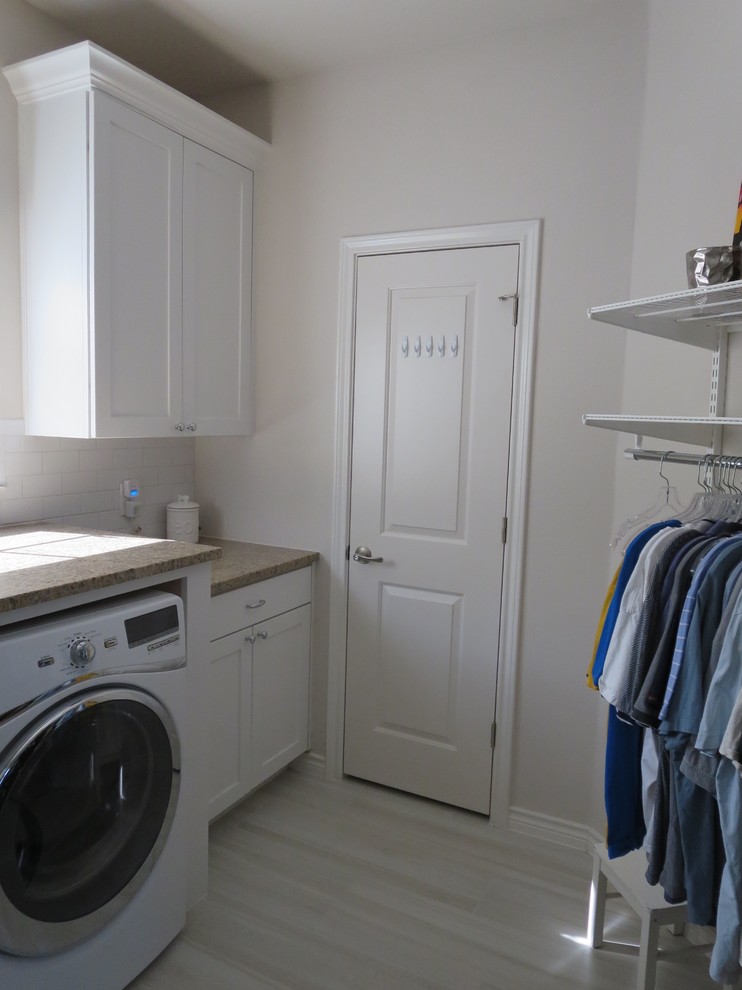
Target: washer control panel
144,631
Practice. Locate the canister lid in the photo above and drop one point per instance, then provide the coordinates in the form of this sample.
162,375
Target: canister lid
183,502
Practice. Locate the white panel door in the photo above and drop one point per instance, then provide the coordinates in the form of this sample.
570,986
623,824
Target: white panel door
217,272
431,431
137,272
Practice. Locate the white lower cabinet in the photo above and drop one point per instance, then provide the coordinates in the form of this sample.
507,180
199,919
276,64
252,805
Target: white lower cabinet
258,686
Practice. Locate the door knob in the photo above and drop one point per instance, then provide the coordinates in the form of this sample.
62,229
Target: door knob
364,556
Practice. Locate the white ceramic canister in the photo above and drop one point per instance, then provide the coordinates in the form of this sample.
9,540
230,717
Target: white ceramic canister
182,520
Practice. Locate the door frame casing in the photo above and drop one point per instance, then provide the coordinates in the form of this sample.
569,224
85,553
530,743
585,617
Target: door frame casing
527,235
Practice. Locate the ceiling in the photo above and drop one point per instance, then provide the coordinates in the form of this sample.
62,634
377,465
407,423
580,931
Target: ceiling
207,46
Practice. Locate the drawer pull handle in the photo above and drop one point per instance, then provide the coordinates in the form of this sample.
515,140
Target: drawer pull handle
256,604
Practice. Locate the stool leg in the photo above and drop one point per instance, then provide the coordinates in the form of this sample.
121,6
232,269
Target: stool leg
678,928
596,913
648,952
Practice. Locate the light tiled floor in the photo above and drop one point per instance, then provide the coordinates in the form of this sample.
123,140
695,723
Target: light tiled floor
318,886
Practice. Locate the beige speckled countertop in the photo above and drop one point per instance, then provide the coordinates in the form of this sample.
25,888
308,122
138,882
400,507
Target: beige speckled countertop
245,563
41,562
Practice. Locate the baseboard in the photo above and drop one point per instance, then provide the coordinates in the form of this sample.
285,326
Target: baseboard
310,764
556,830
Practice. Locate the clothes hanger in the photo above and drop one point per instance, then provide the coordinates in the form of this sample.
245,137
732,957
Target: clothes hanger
666,504
702,503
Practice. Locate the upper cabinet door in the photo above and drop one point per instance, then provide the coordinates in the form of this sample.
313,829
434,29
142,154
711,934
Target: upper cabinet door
217,264
116,343
136,223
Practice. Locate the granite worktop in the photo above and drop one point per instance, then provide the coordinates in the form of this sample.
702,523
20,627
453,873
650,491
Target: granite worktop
241,564
40,562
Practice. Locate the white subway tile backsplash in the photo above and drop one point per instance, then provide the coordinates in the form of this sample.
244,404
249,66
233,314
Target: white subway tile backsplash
127,458
98,501
92,459
77,482
80,481
21,510
35,485
24,462
113,520
147,476
12,488
156,456
184,455
111,480
40,443
159,494
60,460
61,505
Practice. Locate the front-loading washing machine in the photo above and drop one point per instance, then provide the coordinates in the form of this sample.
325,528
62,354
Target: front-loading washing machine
92,843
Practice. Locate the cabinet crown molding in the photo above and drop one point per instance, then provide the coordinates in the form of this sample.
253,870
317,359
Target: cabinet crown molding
86,66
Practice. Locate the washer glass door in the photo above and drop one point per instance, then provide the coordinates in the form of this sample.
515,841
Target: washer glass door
87,797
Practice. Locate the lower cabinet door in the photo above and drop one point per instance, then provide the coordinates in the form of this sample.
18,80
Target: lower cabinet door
258,705
280,692
229,720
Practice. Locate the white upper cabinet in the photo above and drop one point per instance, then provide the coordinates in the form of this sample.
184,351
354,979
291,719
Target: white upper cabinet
136,208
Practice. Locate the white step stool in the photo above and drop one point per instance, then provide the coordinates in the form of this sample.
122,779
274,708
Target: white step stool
627,876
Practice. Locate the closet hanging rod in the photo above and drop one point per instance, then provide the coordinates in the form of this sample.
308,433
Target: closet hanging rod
671,457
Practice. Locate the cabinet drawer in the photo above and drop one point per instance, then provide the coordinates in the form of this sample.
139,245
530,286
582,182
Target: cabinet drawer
257,602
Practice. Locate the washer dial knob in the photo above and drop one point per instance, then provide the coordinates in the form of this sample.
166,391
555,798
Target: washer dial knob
82,652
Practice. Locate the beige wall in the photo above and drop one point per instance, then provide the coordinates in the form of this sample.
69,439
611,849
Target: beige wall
540,124
691,168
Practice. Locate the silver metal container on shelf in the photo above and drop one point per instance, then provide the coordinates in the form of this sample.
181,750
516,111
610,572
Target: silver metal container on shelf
182,520
713,265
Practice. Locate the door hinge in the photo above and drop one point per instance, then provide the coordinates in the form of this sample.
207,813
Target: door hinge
504,530
493,735
347,552
514,297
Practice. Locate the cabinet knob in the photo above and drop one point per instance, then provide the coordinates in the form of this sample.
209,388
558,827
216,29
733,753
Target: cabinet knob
179,427
191,427
262,635
250,639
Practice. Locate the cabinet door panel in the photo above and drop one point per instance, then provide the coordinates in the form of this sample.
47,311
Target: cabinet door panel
280,692
137,243
217,263
229,721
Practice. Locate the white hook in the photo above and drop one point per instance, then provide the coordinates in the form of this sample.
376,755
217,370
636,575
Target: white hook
441,346
418,347
405,346
429,346
455,345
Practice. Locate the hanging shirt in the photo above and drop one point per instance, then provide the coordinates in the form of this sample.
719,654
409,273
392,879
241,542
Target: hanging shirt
648,627
683,704
618,650
624,573
646,708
